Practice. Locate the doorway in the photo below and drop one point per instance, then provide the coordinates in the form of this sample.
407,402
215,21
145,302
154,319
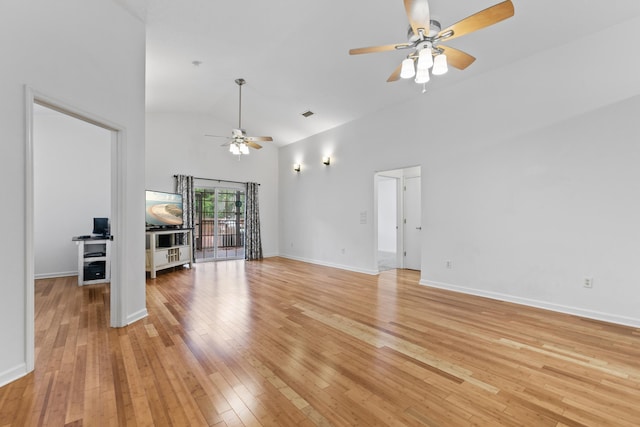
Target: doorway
72,178
116,156
219,223
398,219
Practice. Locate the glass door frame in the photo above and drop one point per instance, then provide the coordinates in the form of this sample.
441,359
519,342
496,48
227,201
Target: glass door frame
220,241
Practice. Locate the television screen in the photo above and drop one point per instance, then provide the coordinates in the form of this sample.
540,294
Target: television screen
101,226
163,209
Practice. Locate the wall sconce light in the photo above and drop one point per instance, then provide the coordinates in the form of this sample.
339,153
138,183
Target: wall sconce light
326,160
296,167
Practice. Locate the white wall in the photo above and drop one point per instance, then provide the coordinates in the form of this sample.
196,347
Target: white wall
529,181
89,54
176,145
72,185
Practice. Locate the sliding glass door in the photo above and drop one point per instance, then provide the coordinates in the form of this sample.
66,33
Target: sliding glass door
219,223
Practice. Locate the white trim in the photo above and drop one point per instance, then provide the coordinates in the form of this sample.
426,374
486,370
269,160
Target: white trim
117,316
118,185
13,374
55,275
330,264
29,287
589,314
137,316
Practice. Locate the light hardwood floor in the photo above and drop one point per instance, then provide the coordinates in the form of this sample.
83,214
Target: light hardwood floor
284,343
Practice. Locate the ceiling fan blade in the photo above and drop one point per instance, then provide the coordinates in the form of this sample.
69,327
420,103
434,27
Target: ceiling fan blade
395,75
374,49
216,136
258,138
457,58
477,21
418,14
253,145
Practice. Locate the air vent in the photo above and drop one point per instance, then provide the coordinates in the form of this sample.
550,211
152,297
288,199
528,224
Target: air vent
307,113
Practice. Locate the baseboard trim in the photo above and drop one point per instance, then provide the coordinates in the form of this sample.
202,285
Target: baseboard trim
576,311
13,374
330,264
132,318
55,275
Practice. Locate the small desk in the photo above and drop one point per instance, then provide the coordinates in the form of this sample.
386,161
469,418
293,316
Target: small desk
94,259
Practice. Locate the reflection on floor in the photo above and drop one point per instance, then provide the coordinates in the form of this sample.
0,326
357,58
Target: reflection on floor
222,253
387,260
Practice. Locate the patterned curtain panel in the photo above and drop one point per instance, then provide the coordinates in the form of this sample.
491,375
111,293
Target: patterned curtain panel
184,186
253,243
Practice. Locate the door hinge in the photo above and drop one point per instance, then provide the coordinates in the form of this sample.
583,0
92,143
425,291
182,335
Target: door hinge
405,221
405,253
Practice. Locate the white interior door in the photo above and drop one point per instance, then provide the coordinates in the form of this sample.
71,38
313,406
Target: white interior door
412,223
387,222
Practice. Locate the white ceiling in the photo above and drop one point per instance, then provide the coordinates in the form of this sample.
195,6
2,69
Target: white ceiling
294,54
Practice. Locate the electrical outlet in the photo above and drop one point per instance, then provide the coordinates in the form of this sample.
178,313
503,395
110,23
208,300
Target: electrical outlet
449,264
588,282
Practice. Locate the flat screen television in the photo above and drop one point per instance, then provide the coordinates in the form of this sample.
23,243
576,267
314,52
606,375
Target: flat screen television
163,210
101,226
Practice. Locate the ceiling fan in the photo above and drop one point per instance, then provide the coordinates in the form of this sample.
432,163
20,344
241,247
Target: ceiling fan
239,142
425,37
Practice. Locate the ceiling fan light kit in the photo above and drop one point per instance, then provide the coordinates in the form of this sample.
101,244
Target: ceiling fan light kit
425,35
239,143
407,69
440,65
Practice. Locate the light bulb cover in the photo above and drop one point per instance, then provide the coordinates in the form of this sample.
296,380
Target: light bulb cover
425,59
244,149
440,65
234,149
407,71
422,76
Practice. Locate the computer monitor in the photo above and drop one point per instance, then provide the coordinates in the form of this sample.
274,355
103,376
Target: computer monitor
101,226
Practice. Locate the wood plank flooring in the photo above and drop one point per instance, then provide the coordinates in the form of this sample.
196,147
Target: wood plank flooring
284,343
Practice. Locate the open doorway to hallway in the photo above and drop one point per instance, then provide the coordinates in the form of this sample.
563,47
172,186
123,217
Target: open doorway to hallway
398,230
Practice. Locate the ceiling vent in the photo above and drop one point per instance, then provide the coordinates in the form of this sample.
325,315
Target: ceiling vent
307,113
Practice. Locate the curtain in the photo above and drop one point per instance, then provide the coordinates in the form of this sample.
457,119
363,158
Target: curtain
184,186
253,242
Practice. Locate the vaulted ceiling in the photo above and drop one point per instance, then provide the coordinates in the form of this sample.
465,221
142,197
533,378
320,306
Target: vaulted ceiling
294,55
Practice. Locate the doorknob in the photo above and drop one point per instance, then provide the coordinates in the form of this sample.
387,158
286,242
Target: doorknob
418,228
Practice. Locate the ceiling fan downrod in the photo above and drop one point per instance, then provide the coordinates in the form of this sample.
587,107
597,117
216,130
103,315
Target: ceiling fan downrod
240,82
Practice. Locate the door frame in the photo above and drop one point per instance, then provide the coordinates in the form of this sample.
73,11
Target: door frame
214,189
118,138
401,173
